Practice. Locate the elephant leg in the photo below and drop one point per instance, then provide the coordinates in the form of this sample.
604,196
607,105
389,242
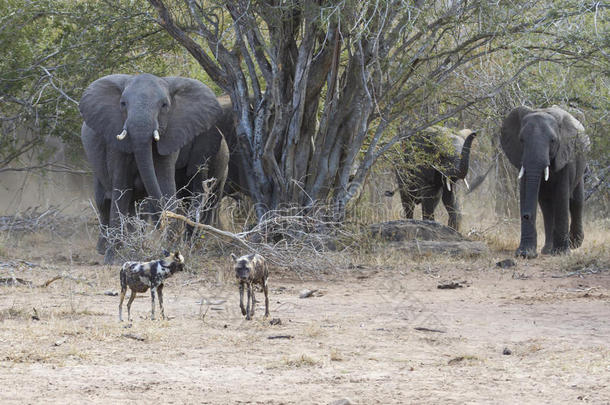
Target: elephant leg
406,196
428,205
451,203
546,206
122,196
576,209
103,207
561,217
407,202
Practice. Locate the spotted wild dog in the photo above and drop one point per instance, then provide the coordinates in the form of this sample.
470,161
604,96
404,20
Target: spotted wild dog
251,269
140,276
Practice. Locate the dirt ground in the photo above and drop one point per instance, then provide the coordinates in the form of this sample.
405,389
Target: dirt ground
376,332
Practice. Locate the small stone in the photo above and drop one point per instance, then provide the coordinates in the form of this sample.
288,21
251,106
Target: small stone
343,401
275,321
505,264
507,351
307,293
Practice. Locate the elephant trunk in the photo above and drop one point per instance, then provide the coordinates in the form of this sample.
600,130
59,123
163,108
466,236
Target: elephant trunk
462,169
146,169
529,188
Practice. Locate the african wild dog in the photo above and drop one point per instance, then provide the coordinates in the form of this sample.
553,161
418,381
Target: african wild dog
251,269
139,277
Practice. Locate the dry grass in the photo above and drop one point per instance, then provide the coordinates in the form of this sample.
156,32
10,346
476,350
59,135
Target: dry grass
299,361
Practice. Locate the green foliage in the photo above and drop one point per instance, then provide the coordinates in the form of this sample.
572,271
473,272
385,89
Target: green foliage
432,147
54,48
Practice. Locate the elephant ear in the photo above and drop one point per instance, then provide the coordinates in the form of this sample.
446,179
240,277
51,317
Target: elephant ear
572,138
194,109
101,110
509,135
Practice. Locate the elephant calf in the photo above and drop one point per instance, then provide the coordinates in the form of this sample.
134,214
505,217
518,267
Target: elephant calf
432,163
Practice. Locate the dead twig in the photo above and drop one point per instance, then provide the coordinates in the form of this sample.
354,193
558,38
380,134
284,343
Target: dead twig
134,337
207,228
65,276
423,329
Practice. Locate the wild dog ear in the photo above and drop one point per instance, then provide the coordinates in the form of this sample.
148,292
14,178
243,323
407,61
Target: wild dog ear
178,256
233,257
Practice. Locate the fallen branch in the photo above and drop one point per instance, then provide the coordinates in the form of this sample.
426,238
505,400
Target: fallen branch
134,337
280,337
206,228
15,281
423,329
66,277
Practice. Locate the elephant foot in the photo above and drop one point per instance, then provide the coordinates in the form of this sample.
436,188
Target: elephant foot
547,250
560,251
110,257
102,245
576,241
526,253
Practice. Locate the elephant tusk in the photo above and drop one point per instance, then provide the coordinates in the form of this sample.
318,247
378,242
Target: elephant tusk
467,185
546,173
448,183
521,173
156,135
122,135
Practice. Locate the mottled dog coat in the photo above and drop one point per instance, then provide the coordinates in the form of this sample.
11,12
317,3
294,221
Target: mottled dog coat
251,269
139,277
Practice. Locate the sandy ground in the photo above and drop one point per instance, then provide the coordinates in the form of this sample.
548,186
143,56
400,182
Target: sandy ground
356,338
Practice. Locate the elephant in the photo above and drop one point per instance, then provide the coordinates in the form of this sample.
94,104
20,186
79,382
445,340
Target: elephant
236,183
206,157
547,143
432,163
134,128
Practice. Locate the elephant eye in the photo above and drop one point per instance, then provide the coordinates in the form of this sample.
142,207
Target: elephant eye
123,104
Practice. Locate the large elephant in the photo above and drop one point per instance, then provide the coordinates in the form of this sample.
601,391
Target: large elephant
206,157
549,146
236,183
133,130
432,163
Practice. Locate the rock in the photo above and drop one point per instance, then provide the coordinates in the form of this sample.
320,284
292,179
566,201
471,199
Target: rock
309,293
60,341
412,229
507,351
424,238
275,321
505,264
111,293
343,401
428,248
450,286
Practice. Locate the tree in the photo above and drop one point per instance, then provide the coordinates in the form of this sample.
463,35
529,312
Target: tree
51,51
322,88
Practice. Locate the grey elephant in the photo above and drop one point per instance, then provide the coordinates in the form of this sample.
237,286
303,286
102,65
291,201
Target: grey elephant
431,164
549,147
133,130
204,158
236,183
